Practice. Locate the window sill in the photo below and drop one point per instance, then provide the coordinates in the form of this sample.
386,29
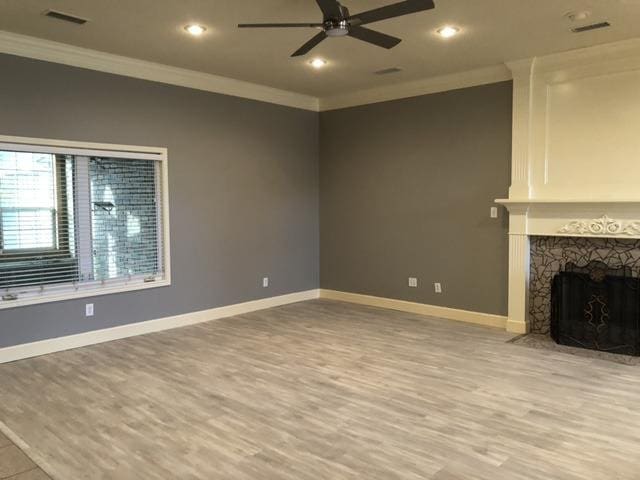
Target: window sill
82,293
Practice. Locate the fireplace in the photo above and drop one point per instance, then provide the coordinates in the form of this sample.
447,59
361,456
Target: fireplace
548,255
574,168
596,307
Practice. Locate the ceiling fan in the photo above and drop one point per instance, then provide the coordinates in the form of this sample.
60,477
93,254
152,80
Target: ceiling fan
338,22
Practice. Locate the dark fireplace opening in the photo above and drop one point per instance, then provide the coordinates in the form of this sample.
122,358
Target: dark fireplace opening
596,307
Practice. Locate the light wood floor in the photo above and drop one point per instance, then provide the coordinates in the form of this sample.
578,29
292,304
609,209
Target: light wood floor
324,390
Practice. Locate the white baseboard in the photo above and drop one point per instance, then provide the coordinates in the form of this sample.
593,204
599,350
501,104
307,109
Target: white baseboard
43,347
514,326
478,318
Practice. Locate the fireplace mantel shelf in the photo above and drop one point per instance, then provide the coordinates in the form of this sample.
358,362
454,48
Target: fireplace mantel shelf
564,201
604,218
574,209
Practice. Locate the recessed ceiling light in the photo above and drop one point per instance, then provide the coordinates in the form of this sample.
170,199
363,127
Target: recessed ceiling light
448,31
318,63
195,30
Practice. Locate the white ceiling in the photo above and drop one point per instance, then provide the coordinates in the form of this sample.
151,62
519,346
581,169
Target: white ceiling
493,31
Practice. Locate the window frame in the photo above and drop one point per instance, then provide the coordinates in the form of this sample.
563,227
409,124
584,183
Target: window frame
56,293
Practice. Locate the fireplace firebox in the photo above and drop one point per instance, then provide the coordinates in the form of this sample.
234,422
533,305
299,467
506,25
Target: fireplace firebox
596,307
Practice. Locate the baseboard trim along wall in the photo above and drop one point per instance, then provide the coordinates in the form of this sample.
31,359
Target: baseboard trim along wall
43,347
514,326
467,316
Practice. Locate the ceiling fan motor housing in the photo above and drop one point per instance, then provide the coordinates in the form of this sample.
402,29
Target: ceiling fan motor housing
339,26
336,28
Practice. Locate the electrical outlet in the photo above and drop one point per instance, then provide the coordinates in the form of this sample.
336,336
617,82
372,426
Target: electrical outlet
413,282
88,310
494,212
438,287
265,282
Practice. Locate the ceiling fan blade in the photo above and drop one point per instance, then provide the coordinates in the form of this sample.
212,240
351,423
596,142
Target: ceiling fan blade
306,48
371,36
390,11
279,25
330,8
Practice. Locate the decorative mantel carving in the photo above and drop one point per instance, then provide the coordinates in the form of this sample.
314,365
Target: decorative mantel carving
603,226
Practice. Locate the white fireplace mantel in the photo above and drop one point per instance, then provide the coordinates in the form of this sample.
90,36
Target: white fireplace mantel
576,154
571,218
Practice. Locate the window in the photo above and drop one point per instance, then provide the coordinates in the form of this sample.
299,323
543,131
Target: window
80,219
27,201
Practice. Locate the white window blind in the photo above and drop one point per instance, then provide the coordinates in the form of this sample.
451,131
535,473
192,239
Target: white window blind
79,223
36,220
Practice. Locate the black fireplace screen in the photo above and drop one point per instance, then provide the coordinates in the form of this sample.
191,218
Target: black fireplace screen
596,307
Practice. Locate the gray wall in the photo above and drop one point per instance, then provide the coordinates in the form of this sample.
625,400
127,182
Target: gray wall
243,188
405,190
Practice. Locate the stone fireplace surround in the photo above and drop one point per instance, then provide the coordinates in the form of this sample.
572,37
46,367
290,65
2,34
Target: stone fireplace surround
575,167
549,255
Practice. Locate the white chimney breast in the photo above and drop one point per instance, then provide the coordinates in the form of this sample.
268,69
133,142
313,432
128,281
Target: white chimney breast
576,154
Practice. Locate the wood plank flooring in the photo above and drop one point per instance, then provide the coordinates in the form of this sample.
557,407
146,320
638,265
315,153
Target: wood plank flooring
324,390
15,465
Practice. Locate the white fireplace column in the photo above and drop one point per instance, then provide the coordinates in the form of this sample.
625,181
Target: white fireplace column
519,251
519,257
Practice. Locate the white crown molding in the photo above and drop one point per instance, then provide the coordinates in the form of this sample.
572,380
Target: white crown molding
50,51
626,51
479,318
43,347
623,50
454,81
32,47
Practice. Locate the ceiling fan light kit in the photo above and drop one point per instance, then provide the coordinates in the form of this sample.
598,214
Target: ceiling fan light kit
338,22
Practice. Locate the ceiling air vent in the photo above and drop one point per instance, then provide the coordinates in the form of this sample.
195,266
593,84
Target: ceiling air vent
593,26
387,71
65,17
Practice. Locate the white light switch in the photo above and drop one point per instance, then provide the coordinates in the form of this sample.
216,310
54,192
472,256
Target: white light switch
437,287
265,282
88,310
494,212
413,282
